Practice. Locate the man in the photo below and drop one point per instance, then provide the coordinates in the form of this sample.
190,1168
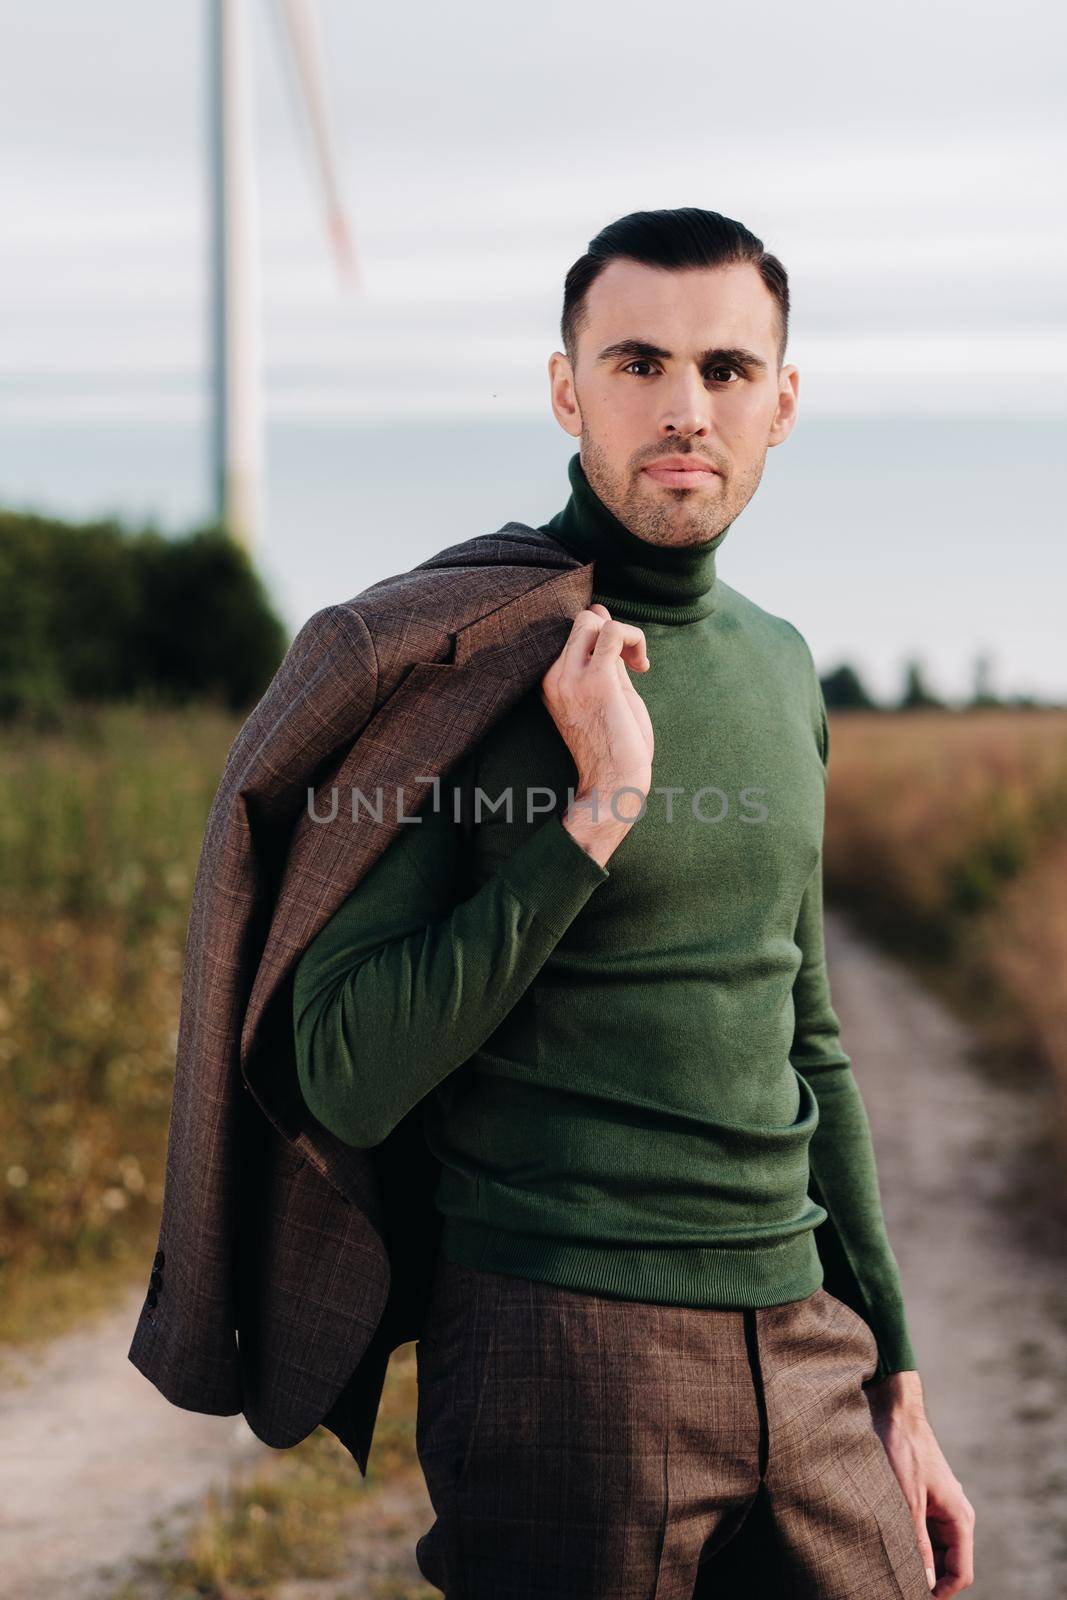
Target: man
594,961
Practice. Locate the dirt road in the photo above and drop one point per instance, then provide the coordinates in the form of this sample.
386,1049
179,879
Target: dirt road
966,1174
90,1453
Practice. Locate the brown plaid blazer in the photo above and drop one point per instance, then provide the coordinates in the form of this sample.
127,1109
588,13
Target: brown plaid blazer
289,1264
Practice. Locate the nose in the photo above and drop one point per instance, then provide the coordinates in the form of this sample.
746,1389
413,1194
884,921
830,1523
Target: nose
687,407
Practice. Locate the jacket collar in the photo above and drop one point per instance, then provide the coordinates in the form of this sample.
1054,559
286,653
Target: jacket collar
499,641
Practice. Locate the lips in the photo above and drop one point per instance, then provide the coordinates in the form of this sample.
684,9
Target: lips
680,473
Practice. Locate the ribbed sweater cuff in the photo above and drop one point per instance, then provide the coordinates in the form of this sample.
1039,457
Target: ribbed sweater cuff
552,875
895,1350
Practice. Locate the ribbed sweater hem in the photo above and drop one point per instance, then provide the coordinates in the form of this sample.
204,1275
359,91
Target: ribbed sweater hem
734,1278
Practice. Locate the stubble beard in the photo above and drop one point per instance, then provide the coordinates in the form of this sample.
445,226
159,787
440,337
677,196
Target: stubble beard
666,516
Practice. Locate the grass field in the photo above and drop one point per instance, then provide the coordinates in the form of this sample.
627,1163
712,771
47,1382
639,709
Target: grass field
946,835
100,829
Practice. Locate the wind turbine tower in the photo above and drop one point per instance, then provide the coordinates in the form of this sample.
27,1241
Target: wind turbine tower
237,407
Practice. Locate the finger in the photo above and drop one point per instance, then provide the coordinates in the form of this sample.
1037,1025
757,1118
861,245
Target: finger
922,1538
957,1562
628,689
634,652
621,639
580,641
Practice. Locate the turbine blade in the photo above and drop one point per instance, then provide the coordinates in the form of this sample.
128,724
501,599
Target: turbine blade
300,22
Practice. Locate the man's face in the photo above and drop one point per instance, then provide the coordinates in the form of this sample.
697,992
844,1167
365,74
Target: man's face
676,364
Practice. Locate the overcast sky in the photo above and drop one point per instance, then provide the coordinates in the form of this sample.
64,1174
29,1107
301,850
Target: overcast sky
906,163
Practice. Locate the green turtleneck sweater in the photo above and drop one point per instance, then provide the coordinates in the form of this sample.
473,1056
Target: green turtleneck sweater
631,1075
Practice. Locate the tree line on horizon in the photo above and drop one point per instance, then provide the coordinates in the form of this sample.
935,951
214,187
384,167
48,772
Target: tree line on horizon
844,690
95,611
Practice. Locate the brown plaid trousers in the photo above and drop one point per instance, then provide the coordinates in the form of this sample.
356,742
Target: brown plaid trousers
578,1445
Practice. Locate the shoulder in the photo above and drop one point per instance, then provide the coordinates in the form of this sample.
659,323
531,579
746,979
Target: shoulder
783,641
410,615
773,631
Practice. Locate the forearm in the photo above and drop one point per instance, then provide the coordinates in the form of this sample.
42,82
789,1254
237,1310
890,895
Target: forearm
380,1021
859,1263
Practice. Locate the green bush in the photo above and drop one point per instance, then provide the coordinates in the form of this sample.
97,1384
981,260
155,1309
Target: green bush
96,612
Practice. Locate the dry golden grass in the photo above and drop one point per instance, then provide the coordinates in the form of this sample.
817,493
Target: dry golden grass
100,832
936,811
1023,942
947,832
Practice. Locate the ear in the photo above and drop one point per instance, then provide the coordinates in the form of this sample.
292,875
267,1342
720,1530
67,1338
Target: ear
564,395
786,414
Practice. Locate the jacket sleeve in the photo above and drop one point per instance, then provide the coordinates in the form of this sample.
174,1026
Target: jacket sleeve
859,1264
318,700
408,978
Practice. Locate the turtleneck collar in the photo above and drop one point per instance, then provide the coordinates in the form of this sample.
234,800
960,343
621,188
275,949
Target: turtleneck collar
639,581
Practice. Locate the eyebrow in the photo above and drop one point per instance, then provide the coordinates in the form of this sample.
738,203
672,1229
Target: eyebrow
633,349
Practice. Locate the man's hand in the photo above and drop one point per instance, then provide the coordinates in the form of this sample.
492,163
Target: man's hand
943,1516
605,725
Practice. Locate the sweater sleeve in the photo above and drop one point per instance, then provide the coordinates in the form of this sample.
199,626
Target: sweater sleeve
859,1265
408,979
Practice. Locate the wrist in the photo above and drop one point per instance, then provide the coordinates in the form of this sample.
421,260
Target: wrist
615,799
598,819
897,1394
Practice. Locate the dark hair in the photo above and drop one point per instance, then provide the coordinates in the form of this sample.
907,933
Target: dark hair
686,237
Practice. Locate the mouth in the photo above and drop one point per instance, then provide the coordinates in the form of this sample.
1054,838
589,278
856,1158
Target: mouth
676,476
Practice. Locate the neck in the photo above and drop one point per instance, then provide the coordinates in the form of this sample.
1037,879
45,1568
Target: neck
635,579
